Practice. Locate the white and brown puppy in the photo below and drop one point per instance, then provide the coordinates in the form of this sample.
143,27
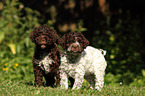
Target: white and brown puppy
80,62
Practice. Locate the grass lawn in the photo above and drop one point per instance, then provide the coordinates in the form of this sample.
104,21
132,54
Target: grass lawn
26,88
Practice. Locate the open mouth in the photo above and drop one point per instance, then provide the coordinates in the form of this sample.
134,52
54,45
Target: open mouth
43,46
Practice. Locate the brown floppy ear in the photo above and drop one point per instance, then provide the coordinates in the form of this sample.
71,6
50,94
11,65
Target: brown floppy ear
62,41
85,41
55,36
33,34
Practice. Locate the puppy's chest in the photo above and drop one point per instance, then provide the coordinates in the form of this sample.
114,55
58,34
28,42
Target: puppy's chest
46,63
71,68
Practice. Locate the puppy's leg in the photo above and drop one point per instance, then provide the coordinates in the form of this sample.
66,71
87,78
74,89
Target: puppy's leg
99,80
38,76
99,72
79,76
63,80
79,79
49,80
57,78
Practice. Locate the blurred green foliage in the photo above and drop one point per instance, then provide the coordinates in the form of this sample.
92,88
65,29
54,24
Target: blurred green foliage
119,35
123,42
15,44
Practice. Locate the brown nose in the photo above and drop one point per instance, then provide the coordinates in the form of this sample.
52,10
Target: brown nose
75,46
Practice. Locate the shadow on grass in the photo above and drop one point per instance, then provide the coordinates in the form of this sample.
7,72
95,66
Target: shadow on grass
29,83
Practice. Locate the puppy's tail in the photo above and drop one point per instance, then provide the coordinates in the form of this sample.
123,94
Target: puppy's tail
103,51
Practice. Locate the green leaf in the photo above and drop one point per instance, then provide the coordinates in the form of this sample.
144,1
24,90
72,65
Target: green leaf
12,47
83,29
2,36
18,49
112,38
143,73
112,56
27,41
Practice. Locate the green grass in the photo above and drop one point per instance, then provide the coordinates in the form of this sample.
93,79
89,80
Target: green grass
26,88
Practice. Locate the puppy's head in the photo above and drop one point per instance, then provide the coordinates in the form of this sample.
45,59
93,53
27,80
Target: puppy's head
43,36
73,42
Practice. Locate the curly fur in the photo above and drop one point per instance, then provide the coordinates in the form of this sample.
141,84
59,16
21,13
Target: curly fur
88,64
46,59
69,38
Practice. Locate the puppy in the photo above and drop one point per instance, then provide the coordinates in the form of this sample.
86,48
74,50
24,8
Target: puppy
80,61
46,59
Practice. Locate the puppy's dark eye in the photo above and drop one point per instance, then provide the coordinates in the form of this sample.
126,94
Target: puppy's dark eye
45,38
38,34
37,39
80,40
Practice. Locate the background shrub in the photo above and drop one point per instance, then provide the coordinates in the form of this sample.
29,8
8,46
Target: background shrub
16,23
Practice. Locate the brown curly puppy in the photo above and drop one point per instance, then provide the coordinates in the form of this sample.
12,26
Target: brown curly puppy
46,59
